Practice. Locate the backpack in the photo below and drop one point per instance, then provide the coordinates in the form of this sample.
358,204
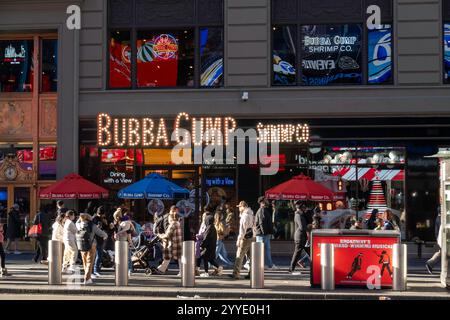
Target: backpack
84,237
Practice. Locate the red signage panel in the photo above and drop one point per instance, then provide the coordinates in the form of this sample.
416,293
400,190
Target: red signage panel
358,259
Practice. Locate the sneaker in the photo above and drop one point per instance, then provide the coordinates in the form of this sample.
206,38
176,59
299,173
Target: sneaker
4,272
71,269
273,267
219,270
234,277
179,274
247,266
87,282
296,273
44,262
93,276
197,272
96,274
429,268
17,252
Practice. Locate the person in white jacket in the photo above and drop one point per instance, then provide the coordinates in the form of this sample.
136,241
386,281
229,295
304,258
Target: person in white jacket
58,228
245,237
70,243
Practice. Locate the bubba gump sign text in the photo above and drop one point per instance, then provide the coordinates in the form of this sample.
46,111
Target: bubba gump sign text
148,132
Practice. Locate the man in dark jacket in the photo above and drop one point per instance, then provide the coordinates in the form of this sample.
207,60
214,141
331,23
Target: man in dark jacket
100,221
300,236
264,229
13,228
43,218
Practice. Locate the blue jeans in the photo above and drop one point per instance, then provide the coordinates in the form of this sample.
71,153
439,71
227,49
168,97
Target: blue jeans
98,258
222,254
267,254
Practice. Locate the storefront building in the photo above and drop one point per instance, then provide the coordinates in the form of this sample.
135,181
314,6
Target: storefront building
375,100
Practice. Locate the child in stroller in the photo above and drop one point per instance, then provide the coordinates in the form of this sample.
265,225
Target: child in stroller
144,250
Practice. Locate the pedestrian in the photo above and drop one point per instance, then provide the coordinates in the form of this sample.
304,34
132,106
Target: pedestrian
389,223
100,221
245,237
3,270
264,230
124,231
208,248
172,241
159,227
87,231
222,231
371,223
42,218
357,225
13,229
58,228
300,235
199,239
70,244
306,256
429,265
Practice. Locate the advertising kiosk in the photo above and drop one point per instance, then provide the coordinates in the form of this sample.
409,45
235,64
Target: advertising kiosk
360,256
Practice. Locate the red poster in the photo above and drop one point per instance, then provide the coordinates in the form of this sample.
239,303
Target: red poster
357,259
119,65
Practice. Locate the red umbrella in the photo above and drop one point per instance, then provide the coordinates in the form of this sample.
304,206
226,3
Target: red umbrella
300,188
73,186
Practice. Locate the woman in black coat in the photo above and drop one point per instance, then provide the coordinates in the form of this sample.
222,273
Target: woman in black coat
13,228
208,248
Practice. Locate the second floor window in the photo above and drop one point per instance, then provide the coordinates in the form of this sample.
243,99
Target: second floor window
321,43
164,44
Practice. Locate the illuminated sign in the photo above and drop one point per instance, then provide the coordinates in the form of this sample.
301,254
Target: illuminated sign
14,57
219,182
148,132
165,47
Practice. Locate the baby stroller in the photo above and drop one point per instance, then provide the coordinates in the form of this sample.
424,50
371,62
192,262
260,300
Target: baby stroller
144,253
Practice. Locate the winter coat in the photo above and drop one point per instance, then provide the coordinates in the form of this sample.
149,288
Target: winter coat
57,232
263,222
172,241
80,225
44,219
161,224
246,222
70,232
14,224
301,224
208,245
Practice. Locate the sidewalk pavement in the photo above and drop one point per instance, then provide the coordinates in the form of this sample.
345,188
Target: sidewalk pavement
30,278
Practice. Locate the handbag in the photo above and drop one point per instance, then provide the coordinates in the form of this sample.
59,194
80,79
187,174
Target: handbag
35,230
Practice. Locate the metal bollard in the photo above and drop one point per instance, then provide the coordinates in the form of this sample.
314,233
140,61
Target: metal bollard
54,262
400,267
257,266
121,263
327,266
187,265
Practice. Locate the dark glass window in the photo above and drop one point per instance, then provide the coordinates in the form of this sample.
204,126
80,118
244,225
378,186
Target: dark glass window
49,81
446,52
211,57
16,65
165,58
379,58
119,59
284,55
331,54
166,43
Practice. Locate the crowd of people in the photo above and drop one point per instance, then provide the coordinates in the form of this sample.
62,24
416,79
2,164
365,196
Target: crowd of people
88,236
